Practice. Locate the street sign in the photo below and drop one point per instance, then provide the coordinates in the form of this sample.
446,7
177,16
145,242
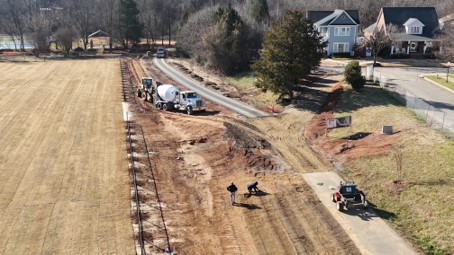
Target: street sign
339,122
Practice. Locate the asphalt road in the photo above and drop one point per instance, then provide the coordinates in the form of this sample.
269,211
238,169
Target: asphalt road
236,106
408,79
437,96
370,233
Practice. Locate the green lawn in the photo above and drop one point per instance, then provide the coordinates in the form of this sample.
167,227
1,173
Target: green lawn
442,80
421,206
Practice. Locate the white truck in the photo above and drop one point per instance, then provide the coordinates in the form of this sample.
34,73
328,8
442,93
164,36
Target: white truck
168,97
161,53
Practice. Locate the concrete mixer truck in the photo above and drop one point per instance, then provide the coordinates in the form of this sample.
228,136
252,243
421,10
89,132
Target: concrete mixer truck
168,97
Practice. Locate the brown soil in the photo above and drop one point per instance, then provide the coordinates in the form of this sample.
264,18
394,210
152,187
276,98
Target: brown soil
64,184
317,126
349,148
194,158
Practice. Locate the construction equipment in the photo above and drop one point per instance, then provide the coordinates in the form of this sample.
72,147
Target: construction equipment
348,195
168,97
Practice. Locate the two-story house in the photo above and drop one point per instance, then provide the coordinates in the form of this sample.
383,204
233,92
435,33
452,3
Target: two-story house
338,28
414,29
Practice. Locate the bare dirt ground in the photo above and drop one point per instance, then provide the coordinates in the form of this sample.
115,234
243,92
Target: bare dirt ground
64,183
194,159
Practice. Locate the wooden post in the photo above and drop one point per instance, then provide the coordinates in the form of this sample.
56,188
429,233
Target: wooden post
443,121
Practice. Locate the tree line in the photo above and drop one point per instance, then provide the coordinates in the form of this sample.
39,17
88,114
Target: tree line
272,37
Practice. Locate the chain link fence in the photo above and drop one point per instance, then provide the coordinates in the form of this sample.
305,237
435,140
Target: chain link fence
433,116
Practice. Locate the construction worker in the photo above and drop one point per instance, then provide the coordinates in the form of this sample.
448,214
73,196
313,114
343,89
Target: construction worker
232,188
253,187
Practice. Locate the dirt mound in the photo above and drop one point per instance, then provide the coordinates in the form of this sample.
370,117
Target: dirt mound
351,147
317,126
370,144
244,139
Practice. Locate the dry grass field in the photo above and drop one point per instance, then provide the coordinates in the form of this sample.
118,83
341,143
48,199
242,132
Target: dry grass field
64,183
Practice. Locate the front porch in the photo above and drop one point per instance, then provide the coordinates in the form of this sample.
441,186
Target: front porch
414,48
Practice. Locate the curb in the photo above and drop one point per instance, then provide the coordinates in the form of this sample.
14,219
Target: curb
436,83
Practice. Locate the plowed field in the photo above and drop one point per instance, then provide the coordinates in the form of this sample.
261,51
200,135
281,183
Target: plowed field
64,182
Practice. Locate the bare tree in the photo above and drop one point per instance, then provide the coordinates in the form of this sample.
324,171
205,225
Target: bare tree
108,11
398,156
16,16
379,40
148,17
447,42
65,38
82,13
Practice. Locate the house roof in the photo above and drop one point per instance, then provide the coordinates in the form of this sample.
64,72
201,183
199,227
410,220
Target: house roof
410,37
411,21
399,15
99,33
323,18
370,29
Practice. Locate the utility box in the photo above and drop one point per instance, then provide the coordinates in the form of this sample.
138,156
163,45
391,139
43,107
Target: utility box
387,130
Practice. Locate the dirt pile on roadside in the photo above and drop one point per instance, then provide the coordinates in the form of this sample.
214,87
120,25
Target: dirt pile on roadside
317,126
359,145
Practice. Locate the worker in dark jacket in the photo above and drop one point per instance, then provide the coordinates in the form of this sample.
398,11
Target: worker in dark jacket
253,187
232,188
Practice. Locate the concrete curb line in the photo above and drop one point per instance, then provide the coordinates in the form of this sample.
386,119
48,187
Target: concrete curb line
436,83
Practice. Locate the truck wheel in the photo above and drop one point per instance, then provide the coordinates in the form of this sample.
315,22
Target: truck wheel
158,105
333,198
139,93
164,107
144,96
340,206
189,110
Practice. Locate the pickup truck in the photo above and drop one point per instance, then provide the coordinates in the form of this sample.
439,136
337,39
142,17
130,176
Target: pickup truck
161,53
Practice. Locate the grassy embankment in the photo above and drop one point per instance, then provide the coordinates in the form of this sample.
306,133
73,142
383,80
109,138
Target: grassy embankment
442,80
421,204
245,83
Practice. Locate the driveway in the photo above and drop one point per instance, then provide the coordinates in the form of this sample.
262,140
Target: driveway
370,233
409,79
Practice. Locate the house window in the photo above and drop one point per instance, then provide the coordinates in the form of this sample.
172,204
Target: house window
323,31
342,31
416,30
341,48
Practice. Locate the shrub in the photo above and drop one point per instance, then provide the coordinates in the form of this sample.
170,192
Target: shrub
353,75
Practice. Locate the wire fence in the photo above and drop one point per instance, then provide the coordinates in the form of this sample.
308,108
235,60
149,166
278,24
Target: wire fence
435,117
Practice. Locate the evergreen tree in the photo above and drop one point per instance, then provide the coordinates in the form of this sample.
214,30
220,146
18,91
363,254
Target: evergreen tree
260,10
130,26
228,42
353,75
290,51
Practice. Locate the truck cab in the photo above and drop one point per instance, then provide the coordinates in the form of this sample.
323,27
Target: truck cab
161,52
147,82
145,89
190,101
